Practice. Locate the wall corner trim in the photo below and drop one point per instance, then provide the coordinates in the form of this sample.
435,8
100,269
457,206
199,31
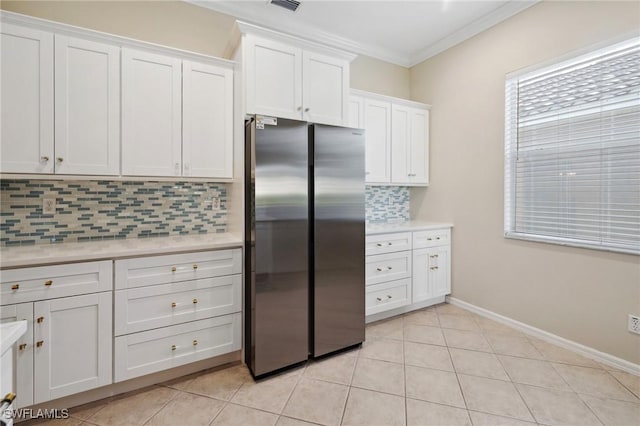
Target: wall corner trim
589,352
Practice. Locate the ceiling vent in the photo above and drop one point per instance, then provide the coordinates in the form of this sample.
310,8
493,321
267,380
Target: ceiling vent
291,5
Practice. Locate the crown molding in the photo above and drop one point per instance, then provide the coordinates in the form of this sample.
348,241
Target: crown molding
312,34
489,20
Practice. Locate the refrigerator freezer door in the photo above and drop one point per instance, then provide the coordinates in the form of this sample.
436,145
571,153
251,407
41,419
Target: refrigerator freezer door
278,289
339,227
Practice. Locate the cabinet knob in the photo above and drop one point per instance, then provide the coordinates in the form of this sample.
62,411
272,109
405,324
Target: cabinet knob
306,110
174,304
379,269
44,158
299,108
195,301
429,239
379,244
389,268
389,297
173,269
378,299
48,283
195,342
195,266
39,343
40,320
389,244
173,347
15,287
22,347
437,238
60,159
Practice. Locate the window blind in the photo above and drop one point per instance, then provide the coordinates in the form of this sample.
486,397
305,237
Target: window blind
572,151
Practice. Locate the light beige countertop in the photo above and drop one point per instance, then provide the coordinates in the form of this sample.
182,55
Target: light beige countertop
408,226
46,254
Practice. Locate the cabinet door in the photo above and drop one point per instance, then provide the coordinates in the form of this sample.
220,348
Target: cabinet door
419,149
87,105
151,114
207,114
377,123
422,287
73,338
273,78
325,88
23,353
401,144
27,100
439,271
356,112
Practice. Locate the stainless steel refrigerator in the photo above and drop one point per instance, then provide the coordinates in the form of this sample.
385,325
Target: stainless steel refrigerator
305,225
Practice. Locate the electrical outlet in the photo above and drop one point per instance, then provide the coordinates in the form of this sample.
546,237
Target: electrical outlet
634,324
215,203
49,205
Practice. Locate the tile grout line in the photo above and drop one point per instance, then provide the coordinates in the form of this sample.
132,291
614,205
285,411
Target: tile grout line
515,385
176,393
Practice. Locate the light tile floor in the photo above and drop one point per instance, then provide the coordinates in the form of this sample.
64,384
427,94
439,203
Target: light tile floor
437,366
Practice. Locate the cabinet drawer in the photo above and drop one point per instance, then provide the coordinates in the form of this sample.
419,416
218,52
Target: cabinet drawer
388,243
388,267
145,271
49,282
144,308
150,351
386,296
437,237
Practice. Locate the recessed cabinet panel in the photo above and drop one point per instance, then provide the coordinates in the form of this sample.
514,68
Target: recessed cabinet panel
73,345
419,159
151,114
401,144
356,112
207,128
377,123
27,100
325,88
87,104
22,352
273,78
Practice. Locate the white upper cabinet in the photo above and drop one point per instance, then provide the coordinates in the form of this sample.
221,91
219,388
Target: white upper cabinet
151,114
273,78
325,88
377,125
87,107
207,120
397,138
410,145
27,100
290,78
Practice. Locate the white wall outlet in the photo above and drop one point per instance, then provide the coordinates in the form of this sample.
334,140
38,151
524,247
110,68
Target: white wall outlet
634,324
215,203
49,205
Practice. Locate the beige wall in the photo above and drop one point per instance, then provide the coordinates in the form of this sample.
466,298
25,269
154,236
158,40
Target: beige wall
185,26
380,77
582,295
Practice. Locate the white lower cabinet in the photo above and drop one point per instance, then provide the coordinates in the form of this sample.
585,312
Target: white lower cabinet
155,350
72,345
176,309
414,269
68,344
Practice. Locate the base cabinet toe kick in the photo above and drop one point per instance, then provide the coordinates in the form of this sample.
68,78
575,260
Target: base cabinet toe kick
406,271
94,324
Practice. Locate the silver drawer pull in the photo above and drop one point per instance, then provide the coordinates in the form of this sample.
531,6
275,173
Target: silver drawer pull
389,268
429,239
389,244
437,238
379,244
379,269
434,267
378,299
389,297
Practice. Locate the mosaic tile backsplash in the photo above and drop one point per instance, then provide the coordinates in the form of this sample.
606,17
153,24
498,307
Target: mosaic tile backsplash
99,210
379,210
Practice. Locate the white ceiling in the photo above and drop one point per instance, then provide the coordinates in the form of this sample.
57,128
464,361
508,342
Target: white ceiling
401,32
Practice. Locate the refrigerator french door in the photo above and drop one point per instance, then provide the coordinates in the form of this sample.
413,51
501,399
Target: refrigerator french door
305,241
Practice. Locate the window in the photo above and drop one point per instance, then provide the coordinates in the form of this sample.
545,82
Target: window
572,151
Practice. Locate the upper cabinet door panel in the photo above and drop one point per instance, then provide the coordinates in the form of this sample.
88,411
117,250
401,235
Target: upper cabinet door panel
273,78
207,128
87,105
401,144
377,123
27,100
325,88
151,114
419,159
356,112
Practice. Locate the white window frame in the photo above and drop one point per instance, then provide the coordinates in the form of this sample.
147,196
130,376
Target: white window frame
511,148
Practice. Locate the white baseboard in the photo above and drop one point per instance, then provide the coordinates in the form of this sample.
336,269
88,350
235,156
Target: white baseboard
586,351
403,309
